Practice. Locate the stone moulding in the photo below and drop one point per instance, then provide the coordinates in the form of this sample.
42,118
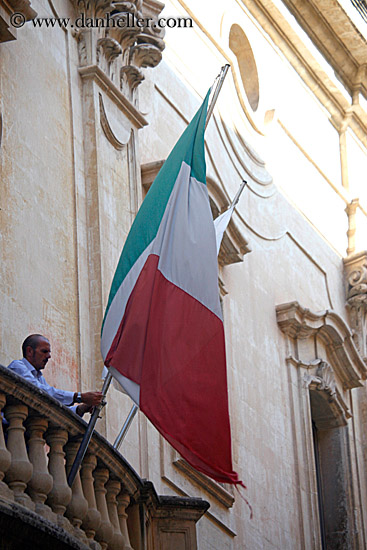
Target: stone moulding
106,127
335,35
95,73
301,323
212,487
7,31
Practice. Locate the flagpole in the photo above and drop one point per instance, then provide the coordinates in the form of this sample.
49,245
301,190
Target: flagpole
238,194
121,436
89,432
217,89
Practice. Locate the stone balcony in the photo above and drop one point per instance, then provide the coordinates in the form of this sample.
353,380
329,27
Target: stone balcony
109,507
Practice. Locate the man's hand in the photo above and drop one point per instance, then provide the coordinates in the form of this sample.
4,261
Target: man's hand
83,408
92,398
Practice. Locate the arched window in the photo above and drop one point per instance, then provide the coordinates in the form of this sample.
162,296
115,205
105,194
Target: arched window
240,46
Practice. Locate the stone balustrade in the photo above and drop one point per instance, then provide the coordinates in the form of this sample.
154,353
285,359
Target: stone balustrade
109,507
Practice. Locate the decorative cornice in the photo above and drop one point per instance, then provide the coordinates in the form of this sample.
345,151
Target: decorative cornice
300,57
95,73
301,323
7,31
335,35
127,40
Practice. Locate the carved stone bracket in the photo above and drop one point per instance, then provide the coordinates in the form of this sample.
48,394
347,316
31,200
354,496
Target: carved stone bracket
126,39
300,323
356,291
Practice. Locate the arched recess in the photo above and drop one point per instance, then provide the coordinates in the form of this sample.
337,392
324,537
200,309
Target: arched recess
323,367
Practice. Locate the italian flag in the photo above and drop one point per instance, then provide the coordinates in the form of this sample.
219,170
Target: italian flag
162,334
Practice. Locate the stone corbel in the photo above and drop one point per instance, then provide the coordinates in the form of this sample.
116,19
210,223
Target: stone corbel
132,75
110,48
7,31
356,291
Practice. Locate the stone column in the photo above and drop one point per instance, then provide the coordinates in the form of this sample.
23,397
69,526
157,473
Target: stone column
123,501
104,532
20,471
113,488
41,481
78,506
5,458
92,520
60,495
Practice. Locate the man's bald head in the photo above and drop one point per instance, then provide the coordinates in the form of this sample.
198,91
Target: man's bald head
32,340
37,350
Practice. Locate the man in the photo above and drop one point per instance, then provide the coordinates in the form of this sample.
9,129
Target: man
36,353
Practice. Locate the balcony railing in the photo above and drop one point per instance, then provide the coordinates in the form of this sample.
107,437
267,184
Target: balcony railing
109,507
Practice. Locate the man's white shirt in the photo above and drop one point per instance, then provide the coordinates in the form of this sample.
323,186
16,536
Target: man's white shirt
35,377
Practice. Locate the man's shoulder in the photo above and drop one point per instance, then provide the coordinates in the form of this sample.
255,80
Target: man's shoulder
17,364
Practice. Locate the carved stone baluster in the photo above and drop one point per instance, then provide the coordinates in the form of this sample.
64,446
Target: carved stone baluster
41,481
104,532
5,458
60,495
78,505
92,520
113,488
123,501
20,470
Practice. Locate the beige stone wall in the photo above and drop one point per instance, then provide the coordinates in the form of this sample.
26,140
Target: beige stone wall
38,227
70,186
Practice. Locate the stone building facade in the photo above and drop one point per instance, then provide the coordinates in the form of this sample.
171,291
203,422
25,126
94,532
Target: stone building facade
88,114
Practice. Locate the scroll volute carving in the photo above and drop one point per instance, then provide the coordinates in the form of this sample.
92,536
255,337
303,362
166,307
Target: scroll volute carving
356,290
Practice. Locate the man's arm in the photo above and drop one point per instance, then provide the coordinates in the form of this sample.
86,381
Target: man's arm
68,398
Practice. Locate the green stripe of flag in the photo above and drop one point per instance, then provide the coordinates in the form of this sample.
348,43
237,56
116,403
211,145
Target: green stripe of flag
189,149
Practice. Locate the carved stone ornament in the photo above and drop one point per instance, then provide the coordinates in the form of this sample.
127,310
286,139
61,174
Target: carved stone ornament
121,38
325,377
300,323
331,409
356,291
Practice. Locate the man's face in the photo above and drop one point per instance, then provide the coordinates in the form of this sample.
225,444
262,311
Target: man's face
39,356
